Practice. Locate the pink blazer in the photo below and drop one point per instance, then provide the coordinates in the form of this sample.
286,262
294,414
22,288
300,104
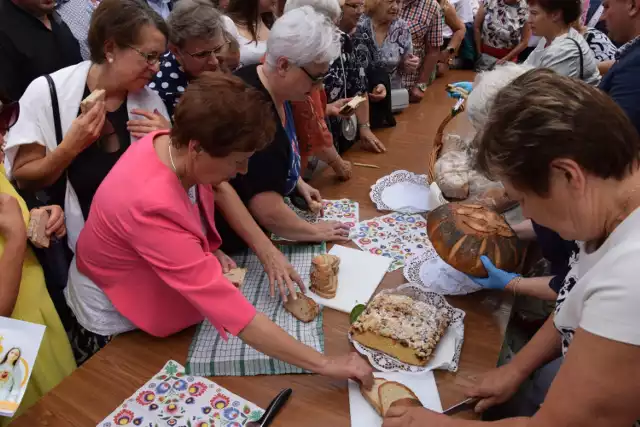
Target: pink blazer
144,245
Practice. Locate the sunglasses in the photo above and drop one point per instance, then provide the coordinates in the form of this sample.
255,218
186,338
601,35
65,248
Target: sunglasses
8,115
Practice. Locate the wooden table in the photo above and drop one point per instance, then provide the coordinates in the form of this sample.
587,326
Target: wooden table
116,372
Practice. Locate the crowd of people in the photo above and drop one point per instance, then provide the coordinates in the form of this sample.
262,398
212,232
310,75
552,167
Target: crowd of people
233,104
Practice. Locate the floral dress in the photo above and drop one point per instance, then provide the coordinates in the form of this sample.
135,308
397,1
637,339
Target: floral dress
395,47
503,23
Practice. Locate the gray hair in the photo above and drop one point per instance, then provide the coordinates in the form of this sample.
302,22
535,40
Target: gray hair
303,36
486,87
194,19
329,8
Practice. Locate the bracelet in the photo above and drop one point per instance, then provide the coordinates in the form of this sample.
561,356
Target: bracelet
364,125
516,281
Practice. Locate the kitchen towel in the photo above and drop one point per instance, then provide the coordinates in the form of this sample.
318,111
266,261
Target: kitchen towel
210,355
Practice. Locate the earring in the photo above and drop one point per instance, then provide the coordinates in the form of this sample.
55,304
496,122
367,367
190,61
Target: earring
110,60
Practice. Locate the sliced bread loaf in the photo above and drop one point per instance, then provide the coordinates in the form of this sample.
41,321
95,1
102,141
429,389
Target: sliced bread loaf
392,392
371,396
304,308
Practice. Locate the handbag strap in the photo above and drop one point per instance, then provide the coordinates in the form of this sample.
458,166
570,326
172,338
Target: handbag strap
581,57
55,108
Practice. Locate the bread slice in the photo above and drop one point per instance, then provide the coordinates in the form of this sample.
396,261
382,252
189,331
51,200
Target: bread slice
393,393
36,231
315,207
236,276
372,395
94,97
304,308
352,105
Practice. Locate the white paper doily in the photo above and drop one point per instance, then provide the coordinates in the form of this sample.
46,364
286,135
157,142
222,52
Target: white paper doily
402,191
447,354
428,270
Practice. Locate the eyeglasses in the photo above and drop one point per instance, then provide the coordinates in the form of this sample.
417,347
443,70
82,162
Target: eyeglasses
206,54
151,58
314,79
8,115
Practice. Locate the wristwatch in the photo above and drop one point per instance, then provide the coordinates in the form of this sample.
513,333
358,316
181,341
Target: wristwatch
422,87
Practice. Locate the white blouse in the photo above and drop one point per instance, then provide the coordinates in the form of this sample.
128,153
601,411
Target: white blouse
251,52
35,125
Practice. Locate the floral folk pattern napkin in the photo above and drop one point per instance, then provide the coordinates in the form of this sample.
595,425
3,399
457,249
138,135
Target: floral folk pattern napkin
397,236
174,399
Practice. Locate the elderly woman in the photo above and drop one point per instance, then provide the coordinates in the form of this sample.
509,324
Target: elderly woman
196,44
544,141
453,33
249,21
561,48
300,48
138,275
501,29
392,38
347,77
23,291
127,39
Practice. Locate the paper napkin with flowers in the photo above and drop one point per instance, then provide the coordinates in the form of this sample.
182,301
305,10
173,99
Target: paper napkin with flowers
174,399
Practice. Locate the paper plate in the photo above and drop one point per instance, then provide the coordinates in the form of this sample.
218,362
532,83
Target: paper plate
405,192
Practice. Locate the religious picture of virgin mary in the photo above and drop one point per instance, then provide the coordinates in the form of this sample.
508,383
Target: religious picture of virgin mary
11,375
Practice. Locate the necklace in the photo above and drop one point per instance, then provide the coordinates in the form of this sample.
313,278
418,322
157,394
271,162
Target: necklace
173,165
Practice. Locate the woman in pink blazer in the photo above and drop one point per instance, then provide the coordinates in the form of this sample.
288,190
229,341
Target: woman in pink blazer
149,250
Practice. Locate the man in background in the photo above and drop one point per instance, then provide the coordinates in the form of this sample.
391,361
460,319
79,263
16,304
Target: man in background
33,41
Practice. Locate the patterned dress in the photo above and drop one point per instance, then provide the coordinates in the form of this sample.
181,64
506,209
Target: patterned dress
425,24
395,47
601,45
503,23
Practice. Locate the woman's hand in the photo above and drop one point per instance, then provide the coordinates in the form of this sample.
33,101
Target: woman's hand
86,128
498,279
496,387
502,61
370,142
56,224
151,123
342,168
334,108
331,231
280,272
226,261
378,93
411,416
11,221
411,63
416,95
350,366
310,194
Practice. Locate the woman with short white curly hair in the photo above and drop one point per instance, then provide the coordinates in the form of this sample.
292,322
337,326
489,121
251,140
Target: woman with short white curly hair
330,8
301,45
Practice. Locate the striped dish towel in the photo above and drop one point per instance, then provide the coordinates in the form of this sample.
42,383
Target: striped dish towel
210,355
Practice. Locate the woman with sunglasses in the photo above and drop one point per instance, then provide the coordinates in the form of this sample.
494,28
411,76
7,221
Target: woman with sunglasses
23,291
301,46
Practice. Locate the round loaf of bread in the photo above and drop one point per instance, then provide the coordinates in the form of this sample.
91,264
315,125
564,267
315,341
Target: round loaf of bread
461,233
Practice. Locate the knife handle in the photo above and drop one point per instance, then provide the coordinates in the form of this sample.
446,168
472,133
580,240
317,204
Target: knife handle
274,407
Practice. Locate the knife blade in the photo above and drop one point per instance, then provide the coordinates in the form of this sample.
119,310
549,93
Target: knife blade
272,410
465,405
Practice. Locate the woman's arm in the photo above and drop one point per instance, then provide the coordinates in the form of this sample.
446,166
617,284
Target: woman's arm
34,168
279,270
272,213
15,244
457,26
477,28
264,335
524,43
533,286
605,66
367,138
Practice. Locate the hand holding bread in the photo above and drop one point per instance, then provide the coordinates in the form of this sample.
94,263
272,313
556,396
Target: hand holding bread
87,127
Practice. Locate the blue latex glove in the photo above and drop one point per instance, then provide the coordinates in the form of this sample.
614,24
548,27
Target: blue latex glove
498,279
467,86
